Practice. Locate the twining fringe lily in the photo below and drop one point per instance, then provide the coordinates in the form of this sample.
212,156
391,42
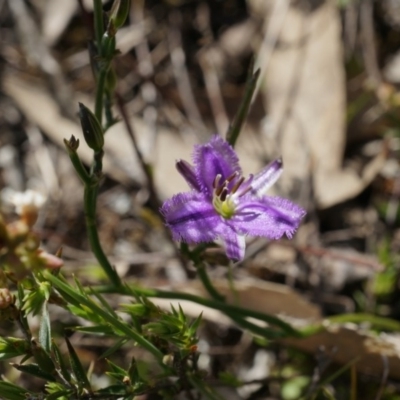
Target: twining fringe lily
224,205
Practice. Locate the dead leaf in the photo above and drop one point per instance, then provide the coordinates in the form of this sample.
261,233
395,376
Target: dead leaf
343,344
266,297
304,87
56,17
120,161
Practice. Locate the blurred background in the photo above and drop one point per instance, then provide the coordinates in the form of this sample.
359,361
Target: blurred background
327,101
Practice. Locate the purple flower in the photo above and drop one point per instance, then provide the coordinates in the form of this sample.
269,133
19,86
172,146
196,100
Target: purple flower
223,204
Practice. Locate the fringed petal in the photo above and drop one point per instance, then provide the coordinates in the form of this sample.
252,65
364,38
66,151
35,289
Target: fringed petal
216,157
270,217
234,244
191,218
266,178
187,171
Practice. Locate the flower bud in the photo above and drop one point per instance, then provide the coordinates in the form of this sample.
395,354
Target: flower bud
50,261
158,328
91,128
137,309
119,12
168,360
6,298
71,144
27,204
17,232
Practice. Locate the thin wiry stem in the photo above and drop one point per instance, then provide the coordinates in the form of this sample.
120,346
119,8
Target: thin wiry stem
237,313
90,200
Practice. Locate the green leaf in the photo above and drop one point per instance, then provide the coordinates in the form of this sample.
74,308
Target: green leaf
136,310
96,329
42,358
113,348
77,368
56,391
60,395
45,330
86,313
35,370
114,390
60,363
195,325
119,12
10,391
116,323
133,372
22,317
182,316
104,303
13,347
36,297
116,372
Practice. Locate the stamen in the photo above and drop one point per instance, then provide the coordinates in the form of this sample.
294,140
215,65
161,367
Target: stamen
245,191
237,184
216,181
245,186
219,189
231,177
223,194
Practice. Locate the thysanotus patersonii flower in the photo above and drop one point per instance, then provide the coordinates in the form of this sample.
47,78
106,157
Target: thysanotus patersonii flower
223,204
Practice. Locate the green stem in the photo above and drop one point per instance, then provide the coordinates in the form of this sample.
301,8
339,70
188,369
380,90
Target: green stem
100,88
79,168
90,196
108,111
234,312
98,23
376,321
72,146
97,166
213,292
205,279
240,117
121,325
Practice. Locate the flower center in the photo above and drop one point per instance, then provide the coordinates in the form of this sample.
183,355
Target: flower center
225,194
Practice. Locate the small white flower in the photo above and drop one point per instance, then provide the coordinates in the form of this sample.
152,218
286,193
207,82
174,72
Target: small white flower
30,199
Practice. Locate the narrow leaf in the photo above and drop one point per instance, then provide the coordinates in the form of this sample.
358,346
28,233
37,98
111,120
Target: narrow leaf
97,329
104,303
35,370
10,391
77,368
60,363
195,324
13,347
133,372
45,330
115,322
42,358
113,348
182,316
116,370
60,395
113,390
